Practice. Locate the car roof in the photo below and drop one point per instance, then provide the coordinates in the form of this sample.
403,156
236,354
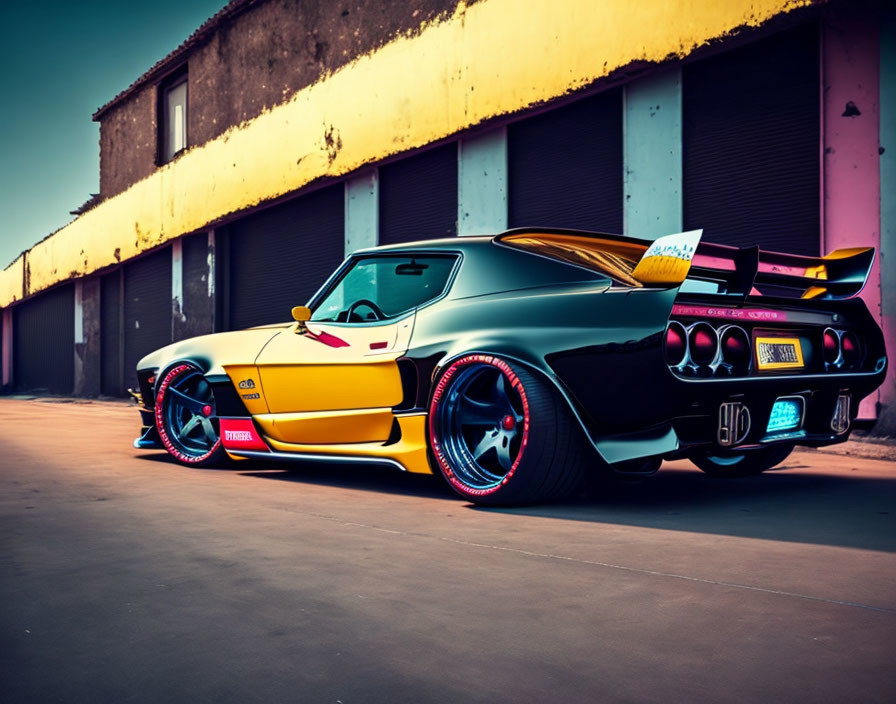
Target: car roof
468,242
448,244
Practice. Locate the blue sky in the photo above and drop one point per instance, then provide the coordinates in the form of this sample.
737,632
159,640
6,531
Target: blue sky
59,62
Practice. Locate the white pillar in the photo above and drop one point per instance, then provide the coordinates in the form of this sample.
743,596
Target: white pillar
79,312
177,284
362,210
652,204
210,264
482,184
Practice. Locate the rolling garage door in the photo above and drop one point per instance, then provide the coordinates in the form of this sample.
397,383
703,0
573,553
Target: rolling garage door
44,342
279,257
418,196
565,166
751,144
147,309
111,360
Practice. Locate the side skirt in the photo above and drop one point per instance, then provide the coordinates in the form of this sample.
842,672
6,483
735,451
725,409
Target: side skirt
307,457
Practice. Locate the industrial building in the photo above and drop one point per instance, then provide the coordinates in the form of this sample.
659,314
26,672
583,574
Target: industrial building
237,172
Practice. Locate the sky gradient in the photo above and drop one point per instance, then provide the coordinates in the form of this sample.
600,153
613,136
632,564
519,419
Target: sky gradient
59,62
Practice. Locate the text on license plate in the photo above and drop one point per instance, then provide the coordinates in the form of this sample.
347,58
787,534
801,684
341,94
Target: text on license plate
779,353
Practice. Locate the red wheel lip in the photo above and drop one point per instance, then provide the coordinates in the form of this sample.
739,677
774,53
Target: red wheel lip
170,375
442,384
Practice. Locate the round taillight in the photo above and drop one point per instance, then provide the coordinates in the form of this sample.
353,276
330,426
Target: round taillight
831,346
703,343
676,344
849,343
735,344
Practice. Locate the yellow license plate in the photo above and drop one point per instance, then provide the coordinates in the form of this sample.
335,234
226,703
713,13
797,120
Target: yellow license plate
779,353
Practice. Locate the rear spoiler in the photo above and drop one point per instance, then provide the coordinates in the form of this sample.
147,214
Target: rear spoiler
750,270
840,274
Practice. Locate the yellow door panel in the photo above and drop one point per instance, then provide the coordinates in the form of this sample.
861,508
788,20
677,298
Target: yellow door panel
409,451
325,427
331,387
324,371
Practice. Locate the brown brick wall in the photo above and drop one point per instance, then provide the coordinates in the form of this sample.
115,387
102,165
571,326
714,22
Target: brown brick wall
128,142
253,62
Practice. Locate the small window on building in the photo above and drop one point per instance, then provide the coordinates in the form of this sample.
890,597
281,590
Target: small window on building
172,117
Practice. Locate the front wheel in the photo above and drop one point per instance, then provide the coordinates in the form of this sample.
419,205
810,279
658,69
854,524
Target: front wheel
186,419
502,436
731,463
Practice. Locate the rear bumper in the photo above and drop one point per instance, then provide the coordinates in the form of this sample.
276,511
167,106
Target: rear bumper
661,414
699,423
694,421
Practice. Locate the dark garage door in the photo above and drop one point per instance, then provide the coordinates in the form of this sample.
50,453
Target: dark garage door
751,144
280,256
418,196
565,166
147,309
111,382
44,342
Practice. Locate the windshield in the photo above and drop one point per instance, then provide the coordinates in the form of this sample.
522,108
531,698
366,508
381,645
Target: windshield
381,287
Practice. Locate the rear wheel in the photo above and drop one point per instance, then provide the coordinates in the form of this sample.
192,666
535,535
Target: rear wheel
501,436
731,463
186,419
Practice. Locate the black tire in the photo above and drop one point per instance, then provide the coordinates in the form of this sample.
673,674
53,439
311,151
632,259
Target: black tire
185,417
533,450
731,463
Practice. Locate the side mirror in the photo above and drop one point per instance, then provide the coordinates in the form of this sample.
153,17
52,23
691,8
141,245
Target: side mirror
301,314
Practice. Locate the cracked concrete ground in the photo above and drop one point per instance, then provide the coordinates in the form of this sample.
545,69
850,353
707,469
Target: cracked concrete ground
124,577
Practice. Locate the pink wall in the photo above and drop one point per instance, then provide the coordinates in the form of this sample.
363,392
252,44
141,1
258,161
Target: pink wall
850,132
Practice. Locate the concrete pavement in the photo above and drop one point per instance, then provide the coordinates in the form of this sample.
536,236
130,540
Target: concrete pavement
127,578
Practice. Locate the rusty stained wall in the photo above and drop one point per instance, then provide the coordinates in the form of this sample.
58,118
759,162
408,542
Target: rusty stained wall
253,62
128,142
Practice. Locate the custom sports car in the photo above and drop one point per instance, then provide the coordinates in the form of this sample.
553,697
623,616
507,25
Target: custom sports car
512,364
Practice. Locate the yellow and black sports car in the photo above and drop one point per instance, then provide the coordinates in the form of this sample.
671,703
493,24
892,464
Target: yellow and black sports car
512,363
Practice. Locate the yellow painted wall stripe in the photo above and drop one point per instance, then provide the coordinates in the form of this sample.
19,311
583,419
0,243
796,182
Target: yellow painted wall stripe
493,58
11,281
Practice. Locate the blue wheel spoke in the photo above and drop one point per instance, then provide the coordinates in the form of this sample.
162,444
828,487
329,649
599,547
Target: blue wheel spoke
472,412
487,443
188,427
209,430
191,404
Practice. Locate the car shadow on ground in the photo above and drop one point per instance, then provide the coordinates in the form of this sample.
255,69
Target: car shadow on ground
384,480
790,503
379,478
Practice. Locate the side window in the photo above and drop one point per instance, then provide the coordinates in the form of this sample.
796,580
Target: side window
393,284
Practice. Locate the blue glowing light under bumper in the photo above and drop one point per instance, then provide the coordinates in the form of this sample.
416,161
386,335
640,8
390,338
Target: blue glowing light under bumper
787,414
